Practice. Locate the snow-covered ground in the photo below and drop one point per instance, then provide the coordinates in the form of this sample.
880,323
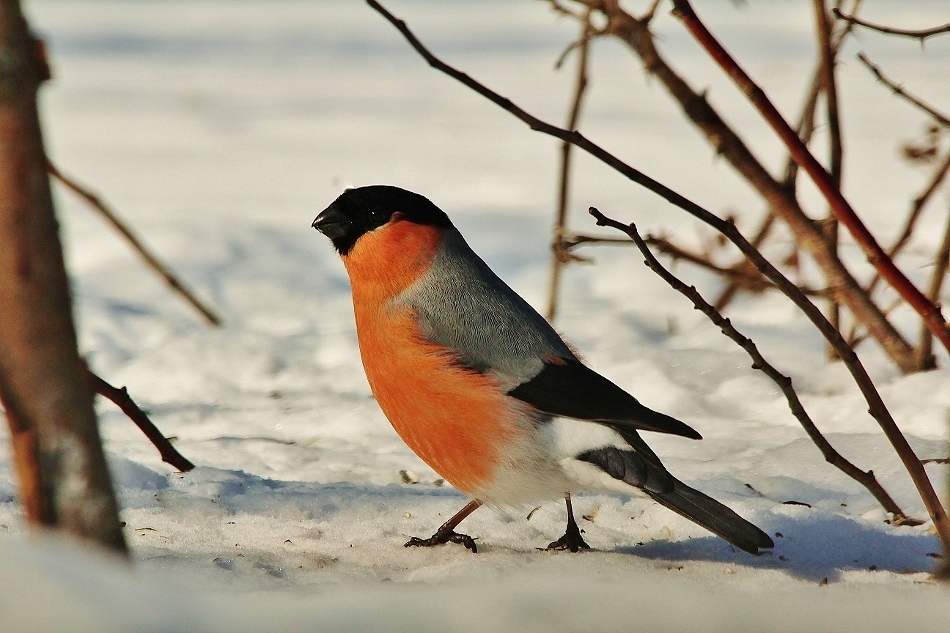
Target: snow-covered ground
220,129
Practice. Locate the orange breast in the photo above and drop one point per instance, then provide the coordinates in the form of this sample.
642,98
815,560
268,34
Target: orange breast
456,420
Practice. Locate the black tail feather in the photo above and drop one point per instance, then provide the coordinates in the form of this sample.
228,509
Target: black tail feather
713,516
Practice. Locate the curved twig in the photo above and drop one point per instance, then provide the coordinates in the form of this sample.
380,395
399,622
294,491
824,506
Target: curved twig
919,34
865,478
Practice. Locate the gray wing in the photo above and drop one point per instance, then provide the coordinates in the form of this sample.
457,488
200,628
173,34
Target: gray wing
460,303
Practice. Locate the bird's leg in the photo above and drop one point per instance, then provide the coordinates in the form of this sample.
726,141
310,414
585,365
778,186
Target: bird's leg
447,532
572,538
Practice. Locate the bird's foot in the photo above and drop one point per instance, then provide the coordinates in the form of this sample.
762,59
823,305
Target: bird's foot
572,540
441,538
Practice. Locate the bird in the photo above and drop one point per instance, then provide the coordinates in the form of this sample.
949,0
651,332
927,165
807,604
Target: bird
482,388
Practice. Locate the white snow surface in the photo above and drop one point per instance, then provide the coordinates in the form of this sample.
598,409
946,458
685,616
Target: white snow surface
220,129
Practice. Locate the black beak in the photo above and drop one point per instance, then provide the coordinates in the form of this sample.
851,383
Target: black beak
332,223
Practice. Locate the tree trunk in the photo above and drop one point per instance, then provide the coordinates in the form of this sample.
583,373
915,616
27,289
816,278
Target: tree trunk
64,481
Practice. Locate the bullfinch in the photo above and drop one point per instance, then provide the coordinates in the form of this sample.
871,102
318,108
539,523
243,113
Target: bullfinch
482,388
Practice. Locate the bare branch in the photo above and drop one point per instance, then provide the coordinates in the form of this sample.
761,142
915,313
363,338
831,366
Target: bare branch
120,397
876,406
841,208
938,116
136,244
779,197
919,34
865,478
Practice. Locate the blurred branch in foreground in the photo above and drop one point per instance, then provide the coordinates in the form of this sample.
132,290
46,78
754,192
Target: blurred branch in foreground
64,481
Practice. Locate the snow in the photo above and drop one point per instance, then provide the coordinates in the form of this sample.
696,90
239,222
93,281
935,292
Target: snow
220,129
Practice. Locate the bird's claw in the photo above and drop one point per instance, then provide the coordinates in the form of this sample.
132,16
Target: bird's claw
572,540
441,538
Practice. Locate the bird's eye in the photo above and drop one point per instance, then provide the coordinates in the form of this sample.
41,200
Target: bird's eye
377,216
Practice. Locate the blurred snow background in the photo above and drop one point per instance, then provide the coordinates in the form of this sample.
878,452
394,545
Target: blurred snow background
219,129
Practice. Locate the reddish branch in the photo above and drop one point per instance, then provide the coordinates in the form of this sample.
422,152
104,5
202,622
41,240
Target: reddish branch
136,244
842,210
865,478
919,34
120,397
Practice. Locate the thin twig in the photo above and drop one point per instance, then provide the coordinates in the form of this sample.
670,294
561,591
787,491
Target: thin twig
740,274
841,208
910,224
919,34
558,257
865,478
121,398
938,116
136,244
876,406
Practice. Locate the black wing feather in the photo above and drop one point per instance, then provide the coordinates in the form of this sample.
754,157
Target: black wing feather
568,388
